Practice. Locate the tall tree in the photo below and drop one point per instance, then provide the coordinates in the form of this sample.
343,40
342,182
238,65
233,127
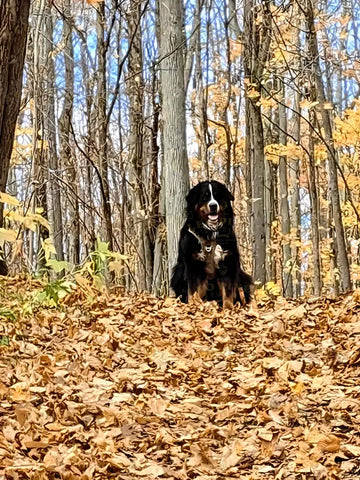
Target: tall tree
51,160
341,248
283,200
176,166
135,88
257,37
314,206
14,16
66,151
294,173
102,141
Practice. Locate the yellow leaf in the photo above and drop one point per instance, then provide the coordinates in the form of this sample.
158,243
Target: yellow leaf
39,219
253,94
9,199
14,216
7,236
273,288
48,248
308,105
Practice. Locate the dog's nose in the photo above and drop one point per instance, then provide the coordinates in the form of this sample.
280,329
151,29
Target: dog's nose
213,207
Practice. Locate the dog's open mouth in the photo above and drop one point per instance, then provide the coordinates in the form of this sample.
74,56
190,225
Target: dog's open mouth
213,218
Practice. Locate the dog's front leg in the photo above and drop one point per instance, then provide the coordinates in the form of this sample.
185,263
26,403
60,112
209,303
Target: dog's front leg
197,290
228,294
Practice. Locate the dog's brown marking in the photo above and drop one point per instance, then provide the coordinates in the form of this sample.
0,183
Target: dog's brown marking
203,211
242,296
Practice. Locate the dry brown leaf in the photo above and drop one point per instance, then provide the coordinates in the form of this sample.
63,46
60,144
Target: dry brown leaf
329,443
351,450
132,386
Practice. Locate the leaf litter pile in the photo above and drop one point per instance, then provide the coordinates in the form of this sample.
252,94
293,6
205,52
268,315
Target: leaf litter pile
133,387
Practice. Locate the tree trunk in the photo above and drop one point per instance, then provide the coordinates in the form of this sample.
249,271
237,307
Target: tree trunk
49,119
341,250
315,213
257,36
135,88
173,117
199,105
38,166
283,201
14,16
88,232
66,152
102,149
295,214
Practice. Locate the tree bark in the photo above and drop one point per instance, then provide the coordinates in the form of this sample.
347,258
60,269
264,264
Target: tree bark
173,118
135,88
295,214
341,250
66,151
257,36
315,213
283,201
102,149
14,16
51,153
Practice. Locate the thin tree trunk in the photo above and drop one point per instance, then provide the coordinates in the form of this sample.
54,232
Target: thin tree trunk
102,125
283,201
199,104
38,167
14,16
66,152
49,119
315,213
295,214
341,250
88,234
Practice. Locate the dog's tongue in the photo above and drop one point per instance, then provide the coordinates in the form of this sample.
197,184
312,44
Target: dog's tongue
213,217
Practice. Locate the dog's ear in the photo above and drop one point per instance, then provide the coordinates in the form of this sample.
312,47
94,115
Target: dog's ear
230,196
223,191
193,197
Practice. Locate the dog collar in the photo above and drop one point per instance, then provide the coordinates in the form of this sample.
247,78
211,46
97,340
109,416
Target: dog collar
214,232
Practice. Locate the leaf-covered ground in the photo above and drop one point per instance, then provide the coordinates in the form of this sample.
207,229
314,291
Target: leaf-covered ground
129,387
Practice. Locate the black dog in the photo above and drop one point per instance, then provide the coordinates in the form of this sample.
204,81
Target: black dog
208,262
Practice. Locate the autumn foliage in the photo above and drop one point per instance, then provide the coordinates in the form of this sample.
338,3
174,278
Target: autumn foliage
116,386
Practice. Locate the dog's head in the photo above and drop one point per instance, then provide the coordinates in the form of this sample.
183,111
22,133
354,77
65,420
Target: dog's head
210,203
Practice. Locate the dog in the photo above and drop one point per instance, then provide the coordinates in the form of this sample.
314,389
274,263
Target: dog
208,263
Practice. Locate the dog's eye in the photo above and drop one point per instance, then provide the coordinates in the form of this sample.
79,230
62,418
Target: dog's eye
206,195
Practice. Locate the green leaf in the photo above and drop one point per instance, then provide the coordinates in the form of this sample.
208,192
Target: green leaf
4,341
102,247
58,265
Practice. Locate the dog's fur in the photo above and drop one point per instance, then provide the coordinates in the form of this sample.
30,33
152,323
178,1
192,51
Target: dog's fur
208,262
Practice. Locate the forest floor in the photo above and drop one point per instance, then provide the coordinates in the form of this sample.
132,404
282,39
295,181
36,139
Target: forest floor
132,387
